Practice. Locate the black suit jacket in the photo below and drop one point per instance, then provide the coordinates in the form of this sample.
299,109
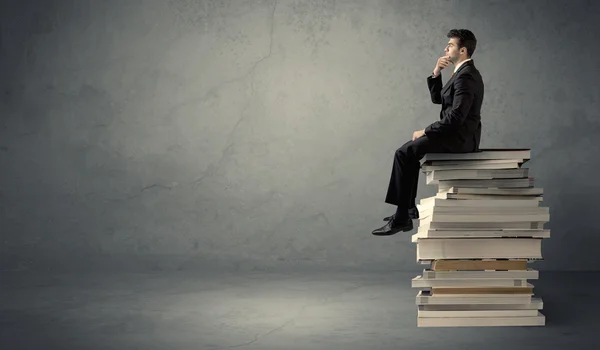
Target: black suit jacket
460,118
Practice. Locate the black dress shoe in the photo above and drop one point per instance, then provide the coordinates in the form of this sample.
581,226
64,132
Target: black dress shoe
392,227
413,213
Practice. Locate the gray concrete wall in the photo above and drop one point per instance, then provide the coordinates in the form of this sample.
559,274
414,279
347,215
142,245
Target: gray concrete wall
170,134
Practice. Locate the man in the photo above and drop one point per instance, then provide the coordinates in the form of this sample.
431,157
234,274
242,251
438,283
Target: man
458,130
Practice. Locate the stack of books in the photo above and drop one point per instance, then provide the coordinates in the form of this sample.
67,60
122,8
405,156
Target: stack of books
477,234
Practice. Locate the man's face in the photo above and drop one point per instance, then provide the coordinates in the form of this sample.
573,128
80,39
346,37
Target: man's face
452,50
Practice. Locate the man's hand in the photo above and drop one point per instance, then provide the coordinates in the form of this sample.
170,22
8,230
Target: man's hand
418,133
442,63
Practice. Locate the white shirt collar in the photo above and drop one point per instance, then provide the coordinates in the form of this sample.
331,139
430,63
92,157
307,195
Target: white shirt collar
460,64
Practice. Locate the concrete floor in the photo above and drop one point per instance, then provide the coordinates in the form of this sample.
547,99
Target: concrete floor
259,310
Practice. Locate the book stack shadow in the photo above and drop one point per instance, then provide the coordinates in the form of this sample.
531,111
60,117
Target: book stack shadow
479,235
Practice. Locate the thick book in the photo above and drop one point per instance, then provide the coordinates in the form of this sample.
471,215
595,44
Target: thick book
454,215
494,197
422,282
508,233
484,210
439,201
536,303
425,297
479,248
528,289
421,312
527,191
530,274
479,265
445,185
482,154
475,164
428,224
506,321
433,177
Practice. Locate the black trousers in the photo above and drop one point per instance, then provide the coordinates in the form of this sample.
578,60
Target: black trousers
402,189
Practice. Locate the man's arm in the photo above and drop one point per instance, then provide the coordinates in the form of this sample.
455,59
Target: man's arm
434,83
464,93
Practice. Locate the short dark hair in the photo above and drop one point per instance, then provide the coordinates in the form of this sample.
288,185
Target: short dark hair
466,38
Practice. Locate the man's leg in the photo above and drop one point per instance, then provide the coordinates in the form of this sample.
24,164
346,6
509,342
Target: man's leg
398,176
412,206
404,180
401,180
402,189
418,149
393,189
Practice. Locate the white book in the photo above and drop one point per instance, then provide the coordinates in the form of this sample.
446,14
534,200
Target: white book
436,201
535,303
440,233
494,197
482,154
529,191
433,177
538,320
530,274
468,226
429,262
445,185
420,282
473,162
421,312
499,164
479,248
426,217
424,297
485,210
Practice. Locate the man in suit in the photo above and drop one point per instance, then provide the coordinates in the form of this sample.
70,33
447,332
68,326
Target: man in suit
458,130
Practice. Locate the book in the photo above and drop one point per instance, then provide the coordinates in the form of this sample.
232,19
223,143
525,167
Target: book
497,321
482,154
487,183
422,282
434,176
530,191
430,225
495,197
488,217
464,165
532,304
423,233
483,290
479,265
437,201
479,248
426,298
524,273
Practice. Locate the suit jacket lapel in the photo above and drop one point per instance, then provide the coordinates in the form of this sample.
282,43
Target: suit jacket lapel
449,83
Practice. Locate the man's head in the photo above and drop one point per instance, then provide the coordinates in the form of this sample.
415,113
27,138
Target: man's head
461,45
